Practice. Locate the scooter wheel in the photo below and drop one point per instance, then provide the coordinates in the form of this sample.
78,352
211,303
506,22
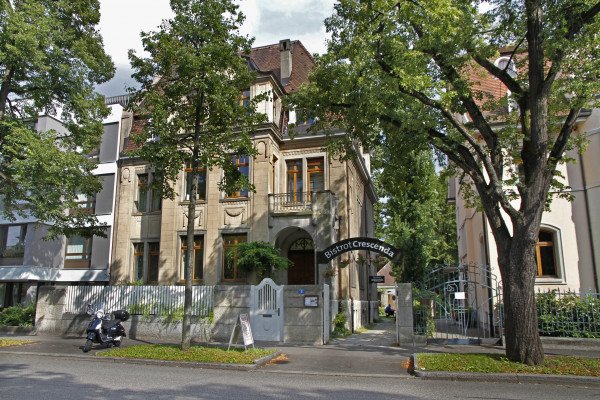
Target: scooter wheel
117,343
88,346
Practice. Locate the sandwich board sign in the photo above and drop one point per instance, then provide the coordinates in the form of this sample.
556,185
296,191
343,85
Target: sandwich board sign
242,324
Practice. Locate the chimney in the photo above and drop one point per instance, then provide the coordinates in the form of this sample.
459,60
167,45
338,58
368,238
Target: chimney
285,51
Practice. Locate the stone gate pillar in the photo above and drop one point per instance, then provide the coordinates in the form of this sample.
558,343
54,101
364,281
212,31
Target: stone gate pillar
404,314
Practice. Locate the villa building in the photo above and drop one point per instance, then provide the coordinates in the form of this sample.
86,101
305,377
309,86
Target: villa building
304,201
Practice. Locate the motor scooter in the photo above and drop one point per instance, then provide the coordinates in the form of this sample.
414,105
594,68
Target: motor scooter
104,330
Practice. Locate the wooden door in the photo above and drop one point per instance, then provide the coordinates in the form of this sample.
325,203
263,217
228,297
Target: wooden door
302,272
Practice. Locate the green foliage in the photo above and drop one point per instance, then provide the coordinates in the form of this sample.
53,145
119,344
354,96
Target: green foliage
143,309
175,315
260,257
194,108
411,69
193,354
568,315
495,363
51,56
17,315
191,84
415,216
339,325
424,323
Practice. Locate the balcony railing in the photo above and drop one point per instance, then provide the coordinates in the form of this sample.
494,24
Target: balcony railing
291,202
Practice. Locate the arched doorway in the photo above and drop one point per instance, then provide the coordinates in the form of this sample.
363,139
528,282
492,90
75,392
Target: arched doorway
302,254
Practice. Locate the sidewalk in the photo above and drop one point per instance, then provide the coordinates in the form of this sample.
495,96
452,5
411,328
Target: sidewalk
372,354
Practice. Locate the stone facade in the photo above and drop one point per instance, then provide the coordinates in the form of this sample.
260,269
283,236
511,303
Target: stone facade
298,224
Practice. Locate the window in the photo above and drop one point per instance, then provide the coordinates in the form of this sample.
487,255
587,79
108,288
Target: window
245,98
12,241
198,271
316,174
148,198
242,163
146,257
508,65
315,177
295,181
200,182
546,254
230,255
85,204
79,252
505,63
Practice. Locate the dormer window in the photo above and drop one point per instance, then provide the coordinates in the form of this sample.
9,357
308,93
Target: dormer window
508,65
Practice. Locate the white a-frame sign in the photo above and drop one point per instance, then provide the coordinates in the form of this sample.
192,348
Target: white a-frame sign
242,323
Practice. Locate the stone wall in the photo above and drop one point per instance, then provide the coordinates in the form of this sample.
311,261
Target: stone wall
302,324
229,303
51,320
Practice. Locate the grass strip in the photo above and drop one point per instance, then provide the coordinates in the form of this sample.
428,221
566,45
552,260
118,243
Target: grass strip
13,342
497,363
194,354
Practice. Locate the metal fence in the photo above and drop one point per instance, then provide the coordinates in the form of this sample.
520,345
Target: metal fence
568,313
141,300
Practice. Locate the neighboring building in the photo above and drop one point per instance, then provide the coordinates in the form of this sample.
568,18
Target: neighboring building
305,200
27,261
387,289
568,250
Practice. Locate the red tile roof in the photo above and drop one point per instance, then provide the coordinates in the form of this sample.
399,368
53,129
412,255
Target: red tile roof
268,59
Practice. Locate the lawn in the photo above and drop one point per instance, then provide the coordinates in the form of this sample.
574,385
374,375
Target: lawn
13,342
497,363
194,354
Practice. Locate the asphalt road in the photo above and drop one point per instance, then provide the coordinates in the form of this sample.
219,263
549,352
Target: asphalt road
41,378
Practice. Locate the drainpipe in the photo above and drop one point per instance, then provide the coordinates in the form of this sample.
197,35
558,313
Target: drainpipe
589,224
348,237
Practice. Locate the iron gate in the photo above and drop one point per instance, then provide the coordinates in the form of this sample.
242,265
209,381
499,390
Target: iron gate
460,305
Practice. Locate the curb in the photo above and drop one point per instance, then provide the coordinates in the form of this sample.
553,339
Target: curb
506,378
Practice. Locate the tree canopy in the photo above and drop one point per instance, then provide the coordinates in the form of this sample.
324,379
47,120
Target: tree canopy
191,97
412,68
51,57
414,214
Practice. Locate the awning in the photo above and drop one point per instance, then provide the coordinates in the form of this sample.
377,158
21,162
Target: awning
48,274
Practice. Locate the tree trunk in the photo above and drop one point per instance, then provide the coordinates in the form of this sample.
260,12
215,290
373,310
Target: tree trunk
518,265
186,335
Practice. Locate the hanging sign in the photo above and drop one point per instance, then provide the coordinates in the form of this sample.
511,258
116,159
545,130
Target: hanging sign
357,243
376,279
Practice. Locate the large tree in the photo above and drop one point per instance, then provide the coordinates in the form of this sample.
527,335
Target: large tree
414,215
409,68
191,95
51,56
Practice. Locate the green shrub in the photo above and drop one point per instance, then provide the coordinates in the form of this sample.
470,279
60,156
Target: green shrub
339,325
568,315
17,315
260,257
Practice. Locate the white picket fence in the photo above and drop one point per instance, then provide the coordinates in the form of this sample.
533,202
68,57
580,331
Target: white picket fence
141,300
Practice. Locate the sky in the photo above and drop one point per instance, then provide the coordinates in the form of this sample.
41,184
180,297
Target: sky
268,21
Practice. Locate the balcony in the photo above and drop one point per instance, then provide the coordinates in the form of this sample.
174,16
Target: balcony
291,203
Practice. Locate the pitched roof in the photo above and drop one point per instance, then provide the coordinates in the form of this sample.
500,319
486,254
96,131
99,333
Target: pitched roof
385,271
267,59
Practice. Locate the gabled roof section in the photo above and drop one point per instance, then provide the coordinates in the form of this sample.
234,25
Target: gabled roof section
268,60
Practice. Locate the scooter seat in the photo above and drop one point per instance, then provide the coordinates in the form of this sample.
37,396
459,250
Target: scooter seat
107,324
